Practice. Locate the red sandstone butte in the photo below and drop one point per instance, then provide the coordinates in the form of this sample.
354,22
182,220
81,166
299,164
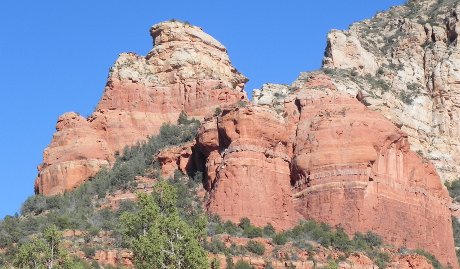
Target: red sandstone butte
187,70
325,157
306,152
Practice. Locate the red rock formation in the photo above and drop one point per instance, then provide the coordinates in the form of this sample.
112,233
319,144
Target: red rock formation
248,166
114,258
187,70
309,152
353,168
175,158
347,165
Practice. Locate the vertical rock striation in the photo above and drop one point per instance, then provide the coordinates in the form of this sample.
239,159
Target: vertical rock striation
247,165
405,62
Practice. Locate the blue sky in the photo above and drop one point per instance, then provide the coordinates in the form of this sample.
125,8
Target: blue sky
55,56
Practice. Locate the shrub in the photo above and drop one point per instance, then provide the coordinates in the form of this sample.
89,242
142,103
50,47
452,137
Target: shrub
341,241
231,228
381,259
216,246
217,111
454,189
243,265
280,239
34,205
89,251
269,230
255,247
456,230
242,104
215,264
253,232
331,264
432,259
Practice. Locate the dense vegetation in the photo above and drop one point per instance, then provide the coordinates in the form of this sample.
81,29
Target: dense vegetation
159,236
82,208
454,192
301,237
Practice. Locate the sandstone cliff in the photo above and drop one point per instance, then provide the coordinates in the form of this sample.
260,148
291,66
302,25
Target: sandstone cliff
351,145
187,70
332,159
405,64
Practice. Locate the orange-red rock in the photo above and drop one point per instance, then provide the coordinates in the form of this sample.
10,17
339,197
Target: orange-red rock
247,162
175,158
187,70
335,161
305,152
353,168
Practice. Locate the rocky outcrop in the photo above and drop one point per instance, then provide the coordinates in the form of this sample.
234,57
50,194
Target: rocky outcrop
246,151
327,157
187,70
350,145
175,158
405,63
352,167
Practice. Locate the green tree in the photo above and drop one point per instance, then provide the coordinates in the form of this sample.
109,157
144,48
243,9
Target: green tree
159,237
44,252
31,255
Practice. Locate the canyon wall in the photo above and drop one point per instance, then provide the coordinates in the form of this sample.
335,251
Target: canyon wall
332,159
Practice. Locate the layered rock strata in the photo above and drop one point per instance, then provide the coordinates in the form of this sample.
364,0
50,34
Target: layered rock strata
187,70
247,153
405,64
327,157
334,146
353,168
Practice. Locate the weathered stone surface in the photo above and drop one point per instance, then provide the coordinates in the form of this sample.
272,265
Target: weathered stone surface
247,162
413,50
347,165
114,257
187,70
307,150
175,158
353,167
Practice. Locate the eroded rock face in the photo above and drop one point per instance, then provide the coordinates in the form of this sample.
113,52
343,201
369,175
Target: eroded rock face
187,70
247,165
354,168
176,158
327,157
405,61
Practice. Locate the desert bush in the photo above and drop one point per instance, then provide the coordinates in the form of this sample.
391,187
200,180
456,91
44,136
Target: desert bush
280,238
215,246
432,259
269,230
242,265
255,247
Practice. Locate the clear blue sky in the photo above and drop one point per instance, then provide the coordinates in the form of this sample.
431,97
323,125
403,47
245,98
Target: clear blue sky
55,56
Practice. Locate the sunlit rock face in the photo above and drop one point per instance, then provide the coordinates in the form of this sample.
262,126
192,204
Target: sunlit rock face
405,63
345,164
187,70
358,144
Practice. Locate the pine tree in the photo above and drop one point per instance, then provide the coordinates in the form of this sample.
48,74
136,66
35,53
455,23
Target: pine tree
159,237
